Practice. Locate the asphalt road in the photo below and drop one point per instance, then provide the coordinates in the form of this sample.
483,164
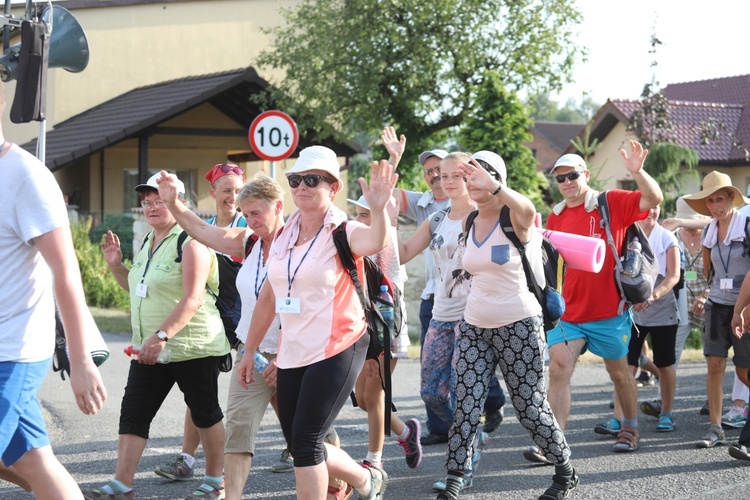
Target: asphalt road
667,465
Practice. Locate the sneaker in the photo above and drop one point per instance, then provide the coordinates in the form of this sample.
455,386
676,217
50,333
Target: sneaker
286,463
704,409
651,408
739,452
99,493
627,440
666,423
734,418
609,428
466,483
492,421
378,483
480,443
207,491
714,436
177,470
534,454
343,493
429,439
412,447
645,379
562,487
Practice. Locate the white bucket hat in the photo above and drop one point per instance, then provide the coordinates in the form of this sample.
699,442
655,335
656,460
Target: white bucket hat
316,158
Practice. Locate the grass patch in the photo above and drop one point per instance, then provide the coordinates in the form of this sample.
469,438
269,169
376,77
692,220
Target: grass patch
112,320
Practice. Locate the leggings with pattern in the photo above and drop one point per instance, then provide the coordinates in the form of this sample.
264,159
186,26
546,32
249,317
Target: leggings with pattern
438,378
517,348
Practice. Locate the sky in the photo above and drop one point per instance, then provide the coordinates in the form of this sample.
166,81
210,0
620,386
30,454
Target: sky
701,40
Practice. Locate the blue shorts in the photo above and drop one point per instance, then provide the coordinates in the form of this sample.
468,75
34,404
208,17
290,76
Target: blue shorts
607,338
21,421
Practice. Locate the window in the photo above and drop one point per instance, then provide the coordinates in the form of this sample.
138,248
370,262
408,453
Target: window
130,181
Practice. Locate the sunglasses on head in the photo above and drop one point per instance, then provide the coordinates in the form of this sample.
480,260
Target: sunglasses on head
229,167
571,176
490,170
311,180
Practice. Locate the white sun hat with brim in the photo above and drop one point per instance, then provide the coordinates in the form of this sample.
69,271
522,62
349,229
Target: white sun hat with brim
317,158
361,202
713,182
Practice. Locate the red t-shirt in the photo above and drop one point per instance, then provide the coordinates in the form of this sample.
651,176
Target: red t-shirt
594,296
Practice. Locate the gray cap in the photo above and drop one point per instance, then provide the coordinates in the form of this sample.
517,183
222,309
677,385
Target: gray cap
440,153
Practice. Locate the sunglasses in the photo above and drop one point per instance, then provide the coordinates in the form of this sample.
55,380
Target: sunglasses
311,180
571,176
229,167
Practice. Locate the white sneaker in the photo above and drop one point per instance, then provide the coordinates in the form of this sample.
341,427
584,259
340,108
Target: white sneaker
734,418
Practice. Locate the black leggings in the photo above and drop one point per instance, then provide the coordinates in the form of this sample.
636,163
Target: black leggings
311,397
663,339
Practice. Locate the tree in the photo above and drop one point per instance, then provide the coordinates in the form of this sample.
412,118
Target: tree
543,108
500,123
360,64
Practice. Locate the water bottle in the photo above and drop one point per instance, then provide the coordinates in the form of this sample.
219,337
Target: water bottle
386,311
165,356
260,362
633,259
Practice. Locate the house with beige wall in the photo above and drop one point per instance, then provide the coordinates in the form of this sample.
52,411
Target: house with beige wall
709,116
168,86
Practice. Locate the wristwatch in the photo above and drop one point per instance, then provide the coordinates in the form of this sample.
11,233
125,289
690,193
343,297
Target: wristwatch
499,188
161,335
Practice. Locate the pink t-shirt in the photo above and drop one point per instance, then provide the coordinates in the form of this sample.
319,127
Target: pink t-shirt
331,316
594,296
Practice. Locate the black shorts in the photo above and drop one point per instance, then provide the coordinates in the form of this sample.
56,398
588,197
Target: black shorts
663,340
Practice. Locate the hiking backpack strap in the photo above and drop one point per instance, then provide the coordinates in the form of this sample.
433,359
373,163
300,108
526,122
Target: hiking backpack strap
436,219
507,226
181,241
604,213
347,260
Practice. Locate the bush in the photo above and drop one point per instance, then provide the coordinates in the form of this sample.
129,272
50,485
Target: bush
122,226
694,340
100,287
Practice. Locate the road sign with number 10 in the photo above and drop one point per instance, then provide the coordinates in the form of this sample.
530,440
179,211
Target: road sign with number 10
273,136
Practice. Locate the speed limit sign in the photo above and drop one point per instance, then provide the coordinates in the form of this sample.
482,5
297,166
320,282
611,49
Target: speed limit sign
273,135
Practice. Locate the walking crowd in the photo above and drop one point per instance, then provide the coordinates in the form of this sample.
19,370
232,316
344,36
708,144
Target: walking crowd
299,340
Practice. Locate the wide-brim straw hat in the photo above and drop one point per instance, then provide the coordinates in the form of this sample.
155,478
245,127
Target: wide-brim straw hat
715,181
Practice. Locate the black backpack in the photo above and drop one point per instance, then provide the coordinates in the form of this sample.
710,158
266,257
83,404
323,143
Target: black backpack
549,295
638,289
374,278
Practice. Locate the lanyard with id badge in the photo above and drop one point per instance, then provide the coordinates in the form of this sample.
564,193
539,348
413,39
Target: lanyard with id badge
141,289
291,304
725,283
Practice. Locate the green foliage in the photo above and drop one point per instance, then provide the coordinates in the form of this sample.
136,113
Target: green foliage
543,108
694,340
122,226
499,122
357,65
99,285
664,163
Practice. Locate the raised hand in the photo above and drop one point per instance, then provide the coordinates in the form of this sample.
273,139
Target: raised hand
382,181
167,188
477,177
393,144
637,157
111,248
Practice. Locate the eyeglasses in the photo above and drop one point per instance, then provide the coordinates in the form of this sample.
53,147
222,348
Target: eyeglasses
311,180
229,167
571,176
147,204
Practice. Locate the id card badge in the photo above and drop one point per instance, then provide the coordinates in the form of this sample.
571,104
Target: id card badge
726,284
289,305
691,275
141,289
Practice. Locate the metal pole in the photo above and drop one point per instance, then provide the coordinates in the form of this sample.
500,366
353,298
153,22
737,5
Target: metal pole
272,170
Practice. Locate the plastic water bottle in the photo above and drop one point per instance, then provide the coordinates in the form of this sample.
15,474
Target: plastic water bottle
260,362
386,311
165,356
633,259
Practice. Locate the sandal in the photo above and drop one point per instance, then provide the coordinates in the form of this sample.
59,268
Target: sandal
101,493
714,436
627,440
666,424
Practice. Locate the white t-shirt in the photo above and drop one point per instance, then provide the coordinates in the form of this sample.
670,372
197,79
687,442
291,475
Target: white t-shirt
33,206
452,282
250,279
